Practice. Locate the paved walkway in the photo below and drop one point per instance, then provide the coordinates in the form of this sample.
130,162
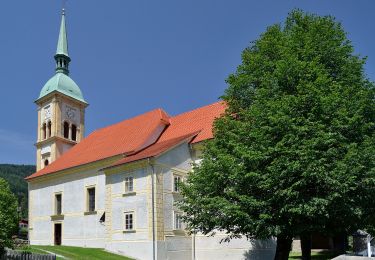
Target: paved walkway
350,257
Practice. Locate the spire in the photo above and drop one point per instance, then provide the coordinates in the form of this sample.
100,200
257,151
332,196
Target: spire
62,45
62,57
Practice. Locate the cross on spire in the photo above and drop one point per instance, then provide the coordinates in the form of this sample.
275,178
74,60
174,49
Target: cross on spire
63,4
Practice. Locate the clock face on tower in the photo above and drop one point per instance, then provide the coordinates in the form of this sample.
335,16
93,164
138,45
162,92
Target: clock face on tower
47,112
70,113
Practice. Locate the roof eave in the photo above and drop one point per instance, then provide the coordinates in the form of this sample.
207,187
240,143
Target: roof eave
30,177
43,98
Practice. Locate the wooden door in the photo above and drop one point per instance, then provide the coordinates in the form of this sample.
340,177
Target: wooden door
58,234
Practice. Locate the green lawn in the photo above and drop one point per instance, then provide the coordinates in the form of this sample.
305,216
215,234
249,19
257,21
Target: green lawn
314,255
31,250
71,252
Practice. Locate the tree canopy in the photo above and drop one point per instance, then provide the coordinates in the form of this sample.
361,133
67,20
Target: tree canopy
294,152
8,215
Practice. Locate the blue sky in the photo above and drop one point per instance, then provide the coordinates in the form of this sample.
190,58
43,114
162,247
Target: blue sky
132,56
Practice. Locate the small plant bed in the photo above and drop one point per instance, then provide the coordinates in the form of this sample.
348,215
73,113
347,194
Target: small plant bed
71,252
314,255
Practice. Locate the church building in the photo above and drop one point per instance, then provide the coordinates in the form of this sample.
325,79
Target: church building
116,188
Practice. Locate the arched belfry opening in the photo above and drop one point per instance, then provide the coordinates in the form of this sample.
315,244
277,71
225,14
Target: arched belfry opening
66,130
74,132
44,131
49,129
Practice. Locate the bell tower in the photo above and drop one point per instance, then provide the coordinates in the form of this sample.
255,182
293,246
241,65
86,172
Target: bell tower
61,108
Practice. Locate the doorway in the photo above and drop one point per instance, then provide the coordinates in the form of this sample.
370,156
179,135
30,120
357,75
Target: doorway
57,234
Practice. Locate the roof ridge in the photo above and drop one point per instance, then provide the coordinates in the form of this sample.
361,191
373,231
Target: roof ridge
128,119
198,108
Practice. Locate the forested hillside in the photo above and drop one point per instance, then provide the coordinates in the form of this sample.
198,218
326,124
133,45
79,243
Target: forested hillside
14,175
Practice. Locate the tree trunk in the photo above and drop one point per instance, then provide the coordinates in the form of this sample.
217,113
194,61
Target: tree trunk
283,247
306,246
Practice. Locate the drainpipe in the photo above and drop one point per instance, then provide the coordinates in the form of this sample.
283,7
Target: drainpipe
193,246
153,209
369,253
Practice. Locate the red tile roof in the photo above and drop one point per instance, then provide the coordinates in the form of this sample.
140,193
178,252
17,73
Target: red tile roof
200,119
155,149
138,138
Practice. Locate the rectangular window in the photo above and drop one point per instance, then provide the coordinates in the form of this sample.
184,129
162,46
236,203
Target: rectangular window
91,199
129,187
176,183
177,221
58,199
129,220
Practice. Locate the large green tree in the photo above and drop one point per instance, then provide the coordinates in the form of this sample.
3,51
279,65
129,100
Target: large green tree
294,153
8,215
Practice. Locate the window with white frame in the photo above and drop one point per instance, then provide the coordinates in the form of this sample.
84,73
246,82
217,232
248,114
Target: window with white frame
177,221
129,220
176,183
129,184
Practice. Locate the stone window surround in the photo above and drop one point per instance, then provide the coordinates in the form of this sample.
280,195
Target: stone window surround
70,131
46,130
177,226
129,192
180,178
87,210
132,213
54,204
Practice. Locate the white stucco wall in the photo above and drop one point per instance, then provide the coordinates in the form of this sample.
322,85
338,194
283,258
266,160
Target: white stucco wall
178,157
241,248
176,247
137,244
77,229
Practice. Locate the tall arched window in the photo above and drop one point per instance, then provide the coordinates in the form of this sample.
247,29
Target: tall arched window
66,130
74,133
46,162
49,128
44,131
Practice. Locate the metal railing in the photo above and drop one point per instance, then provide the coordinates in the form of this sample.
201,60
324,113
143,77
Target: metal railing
20,255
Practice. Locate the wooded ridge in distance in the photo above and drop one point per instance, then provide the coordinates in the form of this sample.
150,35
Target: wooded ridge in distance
15,176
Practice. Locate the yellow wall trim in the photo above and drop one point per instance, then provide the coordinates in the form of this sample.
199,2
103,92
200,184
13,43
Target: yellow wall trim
86,167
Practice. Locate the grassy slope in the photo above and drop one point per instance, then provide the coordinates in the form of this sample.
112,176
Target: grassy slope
314,255
71,252
96,253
